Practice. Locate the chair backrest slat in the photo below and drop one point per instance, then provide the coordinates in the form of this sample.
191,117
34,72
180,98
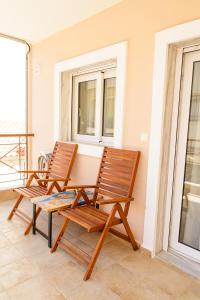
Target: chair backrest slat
117,172
62,160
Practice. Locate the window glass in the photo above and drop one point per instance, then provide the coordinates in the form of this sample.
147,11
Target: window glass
109,107
86,107
190,222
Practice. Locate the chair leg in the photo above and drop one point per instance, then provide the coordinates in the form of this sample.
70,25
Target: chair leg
60,234
99,245
17,203
28,228
127,227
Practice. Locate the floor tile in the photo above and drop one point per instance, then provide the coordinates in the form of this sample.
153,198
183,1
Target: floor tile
3,241
17,272
15,235
116,249
32,245
48,262
166,277
8,255
4,296
37,288
128,285
192,292
67,278
10,225
91,290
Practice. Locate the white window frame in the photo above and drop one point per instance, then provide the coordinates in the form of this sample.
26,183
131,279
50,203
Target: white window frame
117,52
97,138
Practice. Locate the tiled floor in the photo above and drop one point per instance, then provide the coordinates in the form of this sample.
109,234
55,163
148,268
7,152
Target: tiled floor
28,270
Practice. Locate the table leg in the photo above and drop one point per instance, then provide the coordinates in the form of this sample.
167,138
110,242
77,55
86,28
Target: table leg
49,229
34,219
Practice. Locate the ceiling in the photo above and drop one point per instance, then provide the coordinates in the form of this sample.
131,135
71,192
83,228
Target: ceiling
34,20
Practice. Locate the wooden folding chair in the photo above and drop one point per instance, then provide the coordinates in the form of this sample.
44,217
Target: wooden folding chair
115,182
59,170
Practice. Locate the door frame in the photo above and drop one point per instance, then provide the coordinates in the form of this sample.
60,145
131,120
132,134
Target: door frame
178,144
154,225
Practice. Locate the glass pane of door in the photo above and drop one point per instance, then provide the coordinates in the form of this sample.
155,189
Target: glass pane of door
189,232
109,106
86,107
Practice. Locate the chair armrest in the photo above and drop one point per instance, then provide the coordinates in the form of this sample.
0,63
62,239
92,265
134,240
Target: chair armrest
114,200
76,187
53,179
32,171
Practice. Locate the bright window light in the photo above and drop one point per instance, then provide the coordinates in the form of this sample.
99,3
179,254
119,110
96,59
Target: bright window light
13,111
12,86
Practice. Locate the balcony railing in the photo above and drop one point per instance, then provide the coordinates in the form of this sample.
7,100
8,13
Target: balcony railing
13,157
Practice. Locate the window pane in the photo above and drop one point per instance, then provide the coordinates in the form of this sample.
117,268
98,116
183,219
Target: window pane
109,106
86,107
190,222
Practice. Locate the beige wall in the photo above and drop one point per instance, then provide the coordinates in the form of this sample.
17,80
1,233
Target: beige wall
133,21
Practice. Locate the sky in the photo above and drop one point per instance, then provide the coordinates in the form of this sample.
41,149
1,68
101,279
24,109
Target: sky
12,80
